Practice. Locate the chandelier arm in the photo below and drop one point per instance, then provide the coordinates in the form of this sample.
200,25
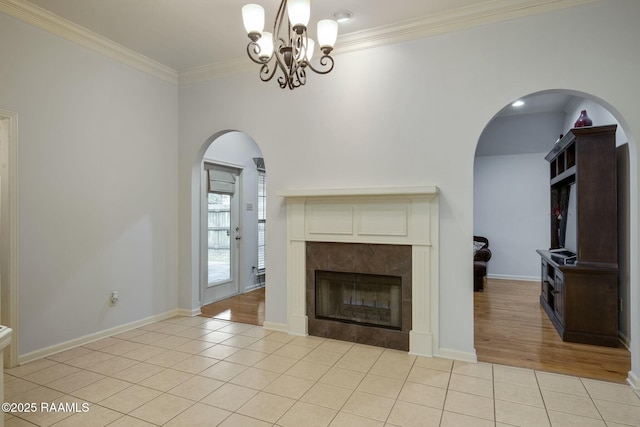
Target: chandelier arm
325,61
288,65
267,74
301,76
253,51
299,41
280,17
283,79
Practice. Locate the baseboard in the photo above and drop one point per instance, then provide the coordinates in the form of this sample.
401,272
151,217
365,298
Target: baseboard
253,288
189,313
67,345
463,356
279,327
633,380
509,277
624,340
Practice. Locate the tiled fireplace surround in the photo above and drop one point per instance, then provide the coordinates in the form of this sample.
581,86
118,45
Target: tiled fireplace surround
398,217
362,258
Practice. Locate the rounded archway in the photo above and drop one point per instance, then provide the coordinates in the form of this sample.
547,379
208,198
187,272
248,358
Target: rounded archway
510,157
228,223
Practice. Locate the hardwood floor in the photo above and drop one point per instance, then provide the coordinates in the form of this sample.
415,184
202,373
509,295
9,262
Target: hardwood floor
512,329
245,308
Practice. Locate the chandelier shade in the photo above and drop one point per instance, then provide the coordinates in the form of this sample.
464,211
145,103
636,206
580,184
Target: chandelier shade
308,50
265,43
299,12
327,33
287,51
253,18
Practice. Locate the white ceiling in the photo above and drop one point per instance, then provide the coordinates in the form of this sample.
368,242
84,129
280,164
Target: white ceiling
185,34
553,102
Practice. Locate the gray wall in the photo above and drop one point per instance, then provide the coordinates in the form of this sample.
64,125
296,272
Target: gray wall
97,187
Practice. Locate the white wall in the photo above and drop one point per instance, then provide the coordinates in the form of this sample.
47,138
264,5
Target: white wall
511,209
97,177
600,116
511,191
237,149
408,114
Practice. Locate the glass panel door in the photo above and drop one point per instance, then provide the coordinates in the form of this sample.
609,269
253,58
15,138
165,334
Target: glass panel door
220,233
218,238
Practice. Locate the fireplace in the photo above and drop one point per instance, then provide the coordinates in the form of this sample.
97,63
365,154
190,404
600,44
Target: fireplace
359,292
364,299
389,232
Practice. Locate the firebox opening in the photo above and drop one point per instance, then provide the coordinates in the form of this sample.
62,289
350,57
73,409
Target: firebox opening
365,299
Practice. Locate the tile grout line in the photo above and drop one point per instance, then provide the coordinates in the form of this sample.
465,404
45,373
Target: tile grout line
102,349
544,401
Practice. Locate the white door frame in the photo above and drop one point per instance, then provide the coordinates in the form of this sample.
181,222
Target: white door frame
9,231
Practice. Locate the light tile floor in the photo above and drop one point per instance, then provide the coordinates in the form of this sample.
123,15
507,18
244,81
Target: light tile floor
194,371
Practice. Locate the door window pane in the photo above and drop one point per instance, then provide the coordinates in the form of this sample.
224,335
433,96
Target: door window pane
219,232
262,218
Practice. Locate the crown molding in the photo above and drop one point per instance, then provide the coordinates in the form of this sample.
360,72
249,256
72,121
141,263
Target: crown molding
459,19
58,26
214,71
482,14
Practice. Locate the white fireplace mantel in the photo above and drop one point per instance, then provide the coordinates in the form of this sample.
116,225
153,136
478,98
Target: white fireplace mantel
360,192
390,215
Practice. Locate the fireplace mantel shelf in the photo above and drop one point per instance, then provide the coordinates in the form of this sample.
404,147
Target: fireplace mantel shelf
352,192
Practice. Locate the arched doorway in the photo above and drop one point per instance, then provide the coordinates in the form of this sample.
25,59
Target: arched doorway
510,158
232,221
9,230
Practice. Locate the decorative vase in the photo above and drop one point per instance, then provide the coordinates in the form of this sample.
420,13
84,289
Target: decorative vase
583,120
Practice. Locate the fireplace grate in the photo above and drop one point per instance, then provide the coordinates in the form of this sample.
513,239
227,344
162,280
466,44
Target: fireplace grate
366,299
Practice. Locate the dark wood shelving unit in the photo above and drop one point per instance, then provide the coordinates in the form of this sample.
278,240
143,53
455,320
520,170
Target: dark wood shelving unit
579,293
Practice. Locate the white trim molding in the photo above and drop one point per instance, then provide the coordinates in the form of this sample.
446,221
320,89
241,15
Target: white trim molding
452,20
513,277
394,216
10,289
41,18
67,345
189,313
449,21
277,327
633,380
446,353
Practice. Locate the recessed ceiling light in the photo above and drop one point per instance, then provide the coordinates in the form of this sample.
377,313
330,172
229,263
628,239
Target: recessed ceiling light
343,15
518,103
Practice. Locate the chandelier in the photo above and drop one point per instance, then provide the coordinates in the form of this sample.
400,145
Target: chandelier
288,48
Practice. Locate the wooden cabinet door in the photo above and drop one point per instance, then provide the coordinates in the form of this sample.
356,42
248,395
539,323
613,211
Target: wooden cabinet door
544,282
558,307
